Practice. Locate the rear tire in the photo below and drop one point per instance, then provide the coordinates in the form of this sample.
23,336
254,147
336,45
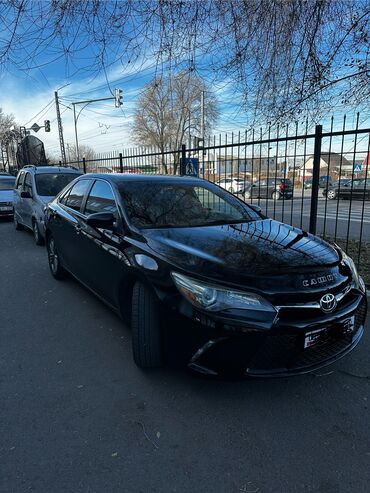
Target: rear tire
39,240
247,195
331,194
146,328
275,196
56,269
17,225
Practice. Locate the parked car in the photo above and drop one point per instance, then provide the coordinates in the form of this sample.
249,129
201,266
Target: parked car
232,185
6,194
335,184
270,188
35,186
254,295
349,189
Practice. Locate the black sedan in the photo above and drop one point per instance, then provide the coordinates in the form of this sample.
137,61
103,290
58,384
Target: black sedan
349,189
255,295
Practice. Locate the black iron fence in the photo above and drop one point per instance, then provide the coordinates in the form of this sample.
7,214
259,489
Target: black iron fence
316,180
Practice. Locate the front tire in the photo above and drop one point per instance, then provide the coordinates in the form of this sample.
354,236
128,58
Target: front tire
275,196
146,328
39,240
56,269
331,194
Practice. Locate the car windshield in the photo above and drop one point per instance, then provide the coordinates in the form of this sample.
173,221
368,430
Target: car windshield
50,184
163,205
7,183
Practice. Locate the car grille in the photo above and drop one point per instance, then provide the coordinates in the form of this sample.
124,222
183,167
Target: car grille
286,351
306,296
6,204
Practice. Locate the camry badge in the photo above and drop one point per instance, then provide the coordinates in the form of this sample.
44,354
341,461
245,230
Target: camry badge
328,302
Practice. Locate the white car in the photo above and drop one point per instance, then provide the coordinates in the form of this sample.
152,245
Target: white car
233,185
6,195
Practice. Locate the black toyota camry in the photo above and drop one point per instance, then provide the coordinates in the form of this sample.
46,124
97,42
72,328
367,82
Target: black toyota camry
255,295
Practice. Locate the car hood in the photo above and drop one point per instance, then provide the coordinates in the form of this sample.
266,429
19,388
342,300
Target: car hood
6,195
244,252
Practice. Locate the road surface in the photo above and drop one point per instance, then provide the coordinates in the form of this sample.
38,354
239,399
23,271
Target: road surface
78,416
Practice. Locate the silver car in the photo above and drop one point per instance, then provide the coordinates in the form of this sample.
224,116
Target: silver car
35,186
6,194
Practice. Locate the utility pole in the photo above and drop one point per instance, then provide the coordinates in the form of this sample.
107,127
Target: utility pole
76,138
60,129
202,129
69,152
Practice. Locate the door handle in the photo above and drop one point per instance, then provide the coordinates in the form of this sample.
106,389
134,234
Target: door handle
78,229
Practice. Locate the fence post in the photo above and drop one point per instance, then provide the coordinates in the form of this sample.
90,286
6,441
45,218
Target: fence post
120,163
183,160
60,163
315,179
84,164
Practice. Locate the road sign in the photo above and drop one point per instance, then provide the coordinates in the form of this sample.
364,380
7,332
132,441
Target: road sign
191,166
35,127
357,168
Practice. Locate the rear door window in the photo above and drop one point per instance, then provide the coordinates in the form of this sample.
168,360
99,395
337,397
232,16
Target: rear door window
77,194
101,199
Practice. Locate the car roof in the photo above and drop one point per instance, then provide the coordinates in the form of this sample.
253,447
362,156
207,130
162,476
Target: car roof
50,169
127,177
6,177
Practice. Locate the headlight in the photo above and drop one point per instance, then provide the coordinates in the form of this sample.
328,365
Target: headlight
215,299
357,279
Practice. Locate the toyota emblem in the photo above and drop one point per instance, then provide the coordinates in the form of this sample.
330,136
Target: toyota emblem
328,302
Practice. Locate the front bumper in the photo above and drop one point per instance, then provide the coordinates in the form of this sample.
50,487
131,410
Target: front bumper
6,210
280,351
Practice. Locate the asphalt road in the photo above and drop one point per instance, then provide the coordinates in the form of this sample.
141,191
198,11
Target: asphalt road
334,218
78,416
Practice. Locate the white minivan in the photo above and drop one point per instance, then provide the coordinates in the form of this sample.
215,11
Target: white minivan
35,186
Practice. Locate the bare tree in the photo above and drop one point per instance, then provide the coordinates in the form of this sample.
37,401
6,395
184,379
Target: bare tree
169,113
9,136
84,151
284,56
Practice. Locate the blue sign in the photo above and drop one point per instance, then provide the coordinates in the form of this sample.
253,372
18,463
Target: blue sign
192,166
357,168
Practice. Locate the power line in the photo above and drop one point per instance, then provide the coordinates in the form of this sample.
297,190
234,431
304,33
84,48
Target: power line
41,111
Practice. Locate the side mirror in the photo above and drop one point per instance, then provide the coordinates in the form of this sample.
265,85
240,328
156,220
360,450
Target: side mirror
26,195
103,220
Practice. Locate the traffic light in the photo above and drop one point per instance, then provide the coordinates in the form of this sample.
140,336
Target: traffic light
117,98
47,125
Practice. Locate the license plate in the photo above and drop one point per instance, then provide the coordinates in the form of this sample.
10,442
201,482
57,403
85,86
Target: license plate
7,208
316,337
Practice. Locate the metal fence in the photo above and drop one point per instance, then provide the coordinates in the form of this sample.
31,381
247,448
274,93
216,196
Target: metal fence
255,164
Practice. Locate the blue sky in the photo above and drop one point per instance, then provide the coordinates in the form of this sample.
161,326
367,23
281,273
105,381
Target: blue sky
30,96
27,91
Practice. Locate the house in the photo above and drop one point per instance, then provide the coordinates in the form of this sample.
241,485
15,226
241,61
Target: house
332,164
233,165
